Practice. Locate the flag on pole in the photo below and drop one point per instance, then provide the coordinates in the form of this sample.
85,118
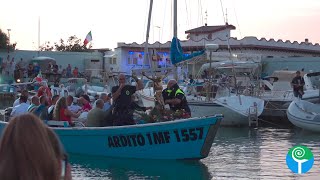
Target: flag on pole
88,38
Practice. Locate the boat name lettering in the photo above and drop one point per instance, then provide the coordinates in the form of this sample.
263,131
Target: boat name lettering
154,138
124,141
191,134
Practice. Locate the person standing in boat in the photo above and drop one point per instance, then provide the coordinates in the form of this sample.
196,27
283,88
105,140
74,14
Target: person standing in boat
121,96
176,98
297,83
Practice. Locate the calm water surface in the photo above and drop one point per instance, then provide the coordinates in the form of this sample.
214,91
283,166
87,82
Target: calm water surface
237,153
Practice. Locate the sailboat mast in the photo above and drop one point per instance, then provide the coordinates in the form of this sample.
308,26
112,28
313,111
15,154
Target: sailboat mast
38,36
146,51
175,31
175,18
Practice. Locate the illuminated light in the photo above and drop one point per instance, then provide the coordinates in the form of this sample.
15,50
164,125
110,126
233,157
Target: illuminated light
18,80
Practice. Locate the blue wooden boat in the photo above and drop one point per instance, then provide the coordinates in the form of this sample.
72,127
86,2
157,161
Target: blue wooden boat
180,139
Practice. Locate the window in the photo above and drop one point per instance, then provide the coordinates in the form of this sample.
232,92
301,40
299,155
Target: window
135,61
129,60
113,61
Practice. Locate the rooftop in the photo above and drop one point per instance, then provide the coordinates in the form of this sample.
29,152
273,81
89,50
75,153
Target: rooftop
210,29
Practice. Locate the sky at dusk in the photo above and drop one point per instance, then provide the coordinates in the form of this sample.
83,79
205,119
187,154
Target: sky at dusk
112,21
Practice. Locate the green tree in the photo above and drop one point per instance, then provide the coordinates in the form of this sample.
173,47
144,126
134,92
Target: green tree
46,47
73,44
4,42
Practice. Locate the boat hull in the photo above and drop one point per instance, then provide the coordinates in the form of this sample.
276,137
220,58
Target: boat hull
202,108
278,107
302,119
181,139
230,117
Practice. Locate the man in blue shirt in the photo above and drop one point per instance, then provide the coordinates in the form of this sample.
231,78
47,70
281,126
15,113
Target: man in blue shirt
106,99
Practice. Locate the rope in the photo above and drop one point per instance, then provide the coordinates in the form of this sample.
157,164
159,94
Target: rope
279,126
187,19
234,10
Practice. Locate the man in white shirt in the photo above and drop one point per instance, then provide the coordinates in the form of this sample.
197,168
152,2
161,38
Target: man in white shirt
73,108
23,93
51,108
21,108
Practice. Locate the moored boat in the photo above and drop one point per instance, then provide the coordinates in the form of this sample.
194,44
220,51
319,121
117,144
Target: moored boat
180,139
305,115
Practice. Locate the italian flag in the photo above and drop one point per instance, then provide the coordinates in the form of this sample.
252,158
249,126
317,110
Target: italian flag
88,38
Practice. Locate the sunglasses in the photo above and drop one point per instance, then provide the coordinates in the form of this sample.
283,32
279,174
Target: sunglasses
64,164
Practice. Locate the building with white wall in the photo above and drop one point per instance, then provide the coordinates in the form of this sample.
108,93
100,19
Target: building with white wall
131,55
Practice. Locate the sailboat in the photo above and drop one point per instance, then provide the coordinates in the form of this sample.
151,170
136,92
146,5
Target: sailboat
235,107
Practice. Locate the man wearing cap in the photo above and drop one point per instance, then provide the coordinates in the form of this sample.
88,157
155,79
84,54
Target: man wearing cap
174,96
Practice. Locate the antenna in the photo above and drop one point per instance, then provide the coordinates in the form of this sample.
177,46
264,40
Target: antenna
226,16
206,18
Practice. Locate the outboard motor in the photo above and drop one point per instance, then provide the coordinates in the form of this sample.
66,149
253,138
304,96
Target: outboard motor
7,113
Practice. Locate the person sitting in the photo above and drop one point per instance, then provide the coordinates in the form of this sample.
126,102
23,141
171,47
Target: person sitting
72,107
27,152
35,102
176,98
51,108
97,115
85,101
21,108
42,111
62,113
23,93
106,99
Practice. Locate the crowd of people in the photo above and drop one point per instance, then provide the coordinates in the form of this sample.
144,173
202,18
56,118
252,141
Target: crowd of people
113,109
23,69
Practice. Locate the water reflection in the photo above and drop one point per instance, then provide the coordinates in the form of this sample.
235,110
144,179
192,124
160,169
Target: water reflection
258,153
112,168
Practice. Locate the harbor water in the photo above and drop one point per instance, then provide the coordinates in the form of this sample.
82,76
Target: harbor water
237,153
